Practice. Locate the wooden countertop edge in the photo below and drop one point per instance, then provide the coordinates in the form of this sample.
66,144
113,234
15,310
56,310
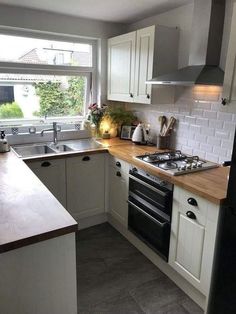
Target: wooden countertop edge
37,238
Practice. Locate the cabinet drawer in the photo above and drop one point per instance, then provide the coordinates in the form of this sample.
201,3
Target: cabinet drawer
45,163
188,201
118,163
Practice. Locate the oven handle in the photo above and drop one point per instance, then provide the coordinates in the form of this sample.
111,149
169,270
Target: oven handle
148,186
162,224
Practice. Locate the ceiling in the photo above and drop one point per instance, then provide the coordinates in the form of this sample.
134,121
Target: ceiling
124,11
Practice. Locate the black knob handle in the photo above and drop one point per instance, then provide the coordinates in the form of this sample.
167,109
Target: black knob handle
191,215
118,164
86,158
223,101
148,96
118,174
131,95
192,201
45,164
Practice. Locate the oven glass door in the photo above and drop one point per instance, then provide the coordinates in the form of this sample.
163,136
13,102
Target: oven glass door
161,199
154,232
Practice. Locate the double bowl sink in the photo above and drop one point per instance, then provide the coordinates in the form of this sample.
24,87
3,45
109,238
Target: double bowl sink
31,150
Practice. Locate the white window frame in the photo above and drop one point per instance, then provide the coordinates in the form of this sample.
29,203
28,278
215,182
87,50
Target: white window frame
60,70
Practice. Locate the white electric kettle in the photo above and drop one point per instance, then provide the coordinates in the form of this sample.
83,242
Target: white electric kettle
139,136
4,146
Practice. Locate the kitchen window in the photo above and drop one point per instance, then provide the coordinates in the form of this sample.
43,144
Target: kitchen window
45,78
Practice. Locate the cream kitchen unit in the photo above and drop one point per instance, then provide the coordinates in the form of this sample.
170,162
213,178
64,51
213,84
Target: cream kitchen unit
134,58
229,88
193,234
118,190
87,180
73,181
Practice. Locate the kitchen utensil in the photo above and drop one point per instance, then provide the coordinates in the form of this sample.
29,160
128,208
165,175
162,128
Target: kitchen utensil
169,126
163,121
139,135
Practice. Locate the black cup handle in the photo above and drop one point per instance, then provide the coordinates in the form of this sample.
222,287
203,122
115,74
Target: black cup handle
192,201
86,158
191,215
45,164
118,174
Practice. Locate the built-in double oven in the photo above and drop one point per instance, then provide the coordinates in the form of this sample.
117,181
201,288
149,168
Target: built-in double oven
150,206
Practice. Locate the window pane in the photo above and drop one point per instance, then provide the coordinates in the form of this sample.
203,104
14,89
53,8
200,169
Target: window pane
32,96
41,51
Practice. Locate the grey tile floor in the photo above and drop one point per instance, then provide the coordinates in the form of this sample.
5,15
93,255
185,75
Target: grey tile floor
115,278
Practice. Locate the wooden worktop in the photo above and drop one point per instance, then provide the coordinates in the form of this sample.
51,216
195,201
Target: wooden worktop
29,213
210,184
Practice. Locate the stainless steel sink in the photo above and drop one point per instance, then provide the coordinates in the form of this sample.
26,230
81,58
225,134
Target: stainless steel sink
62,148
43,149
32,150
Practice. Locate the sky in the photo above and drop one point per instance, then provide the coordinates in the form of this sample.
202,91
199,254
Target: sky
13,47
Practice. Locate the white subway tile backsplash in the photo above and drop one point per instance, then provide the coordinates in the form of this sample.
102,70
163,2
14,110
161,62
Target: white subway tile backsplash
212,157
210,114
225,116
229,126
195,128
207,131
216,124
220,151
208,148
202,121
201,138
202,128
222,134
197,112
214,141
191,120
227,144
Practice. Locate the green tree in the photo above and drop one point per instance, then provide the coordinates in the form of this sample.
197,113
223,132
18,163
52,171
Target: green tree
52,99
75,95
10,110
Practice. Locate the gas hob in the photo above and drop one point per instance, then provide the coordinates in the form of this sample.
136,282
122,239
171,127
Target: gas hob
176,163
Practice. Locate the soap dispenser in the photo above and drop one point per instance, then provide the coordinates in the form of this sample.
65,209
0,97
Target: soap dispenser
4,146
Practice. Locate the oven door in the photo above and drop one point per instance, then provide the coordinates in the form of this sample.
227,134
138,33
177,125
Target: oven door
150,228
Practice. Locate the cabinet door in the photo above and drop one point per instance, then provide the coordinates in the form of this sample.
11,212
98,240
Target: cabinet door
85,185
53,175
192,241
229,88
121,63
144,64
118,195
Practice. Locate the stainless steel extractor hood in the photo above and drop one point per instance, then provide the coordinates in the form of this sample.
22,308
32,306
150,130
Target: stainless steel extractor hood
205,48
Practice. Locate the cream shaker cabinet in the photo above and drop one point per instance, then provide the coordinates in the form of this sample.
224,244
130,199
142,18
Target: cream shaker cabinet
121,67
118,190
52,173
136,57
193,233
85,184
229,88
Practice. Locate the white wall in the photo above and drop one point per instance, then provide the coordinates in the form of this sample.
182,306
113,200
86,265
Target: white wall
19,18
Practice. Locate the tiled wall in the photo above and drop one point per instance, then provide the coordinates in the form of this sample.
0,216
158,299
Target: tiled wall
203,128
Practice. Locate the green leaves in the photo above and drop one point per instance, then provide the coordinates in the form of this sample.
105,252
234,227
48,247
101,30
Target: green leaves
55,101
10,110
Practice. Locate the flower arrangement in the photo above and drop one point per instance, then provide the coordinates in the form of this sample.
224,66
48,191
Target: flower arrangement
96,113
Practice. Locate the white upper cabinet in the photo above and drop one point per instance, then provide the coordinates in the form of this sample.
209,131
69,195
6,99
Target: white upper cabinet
229,89
121,63
136,57
144,64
